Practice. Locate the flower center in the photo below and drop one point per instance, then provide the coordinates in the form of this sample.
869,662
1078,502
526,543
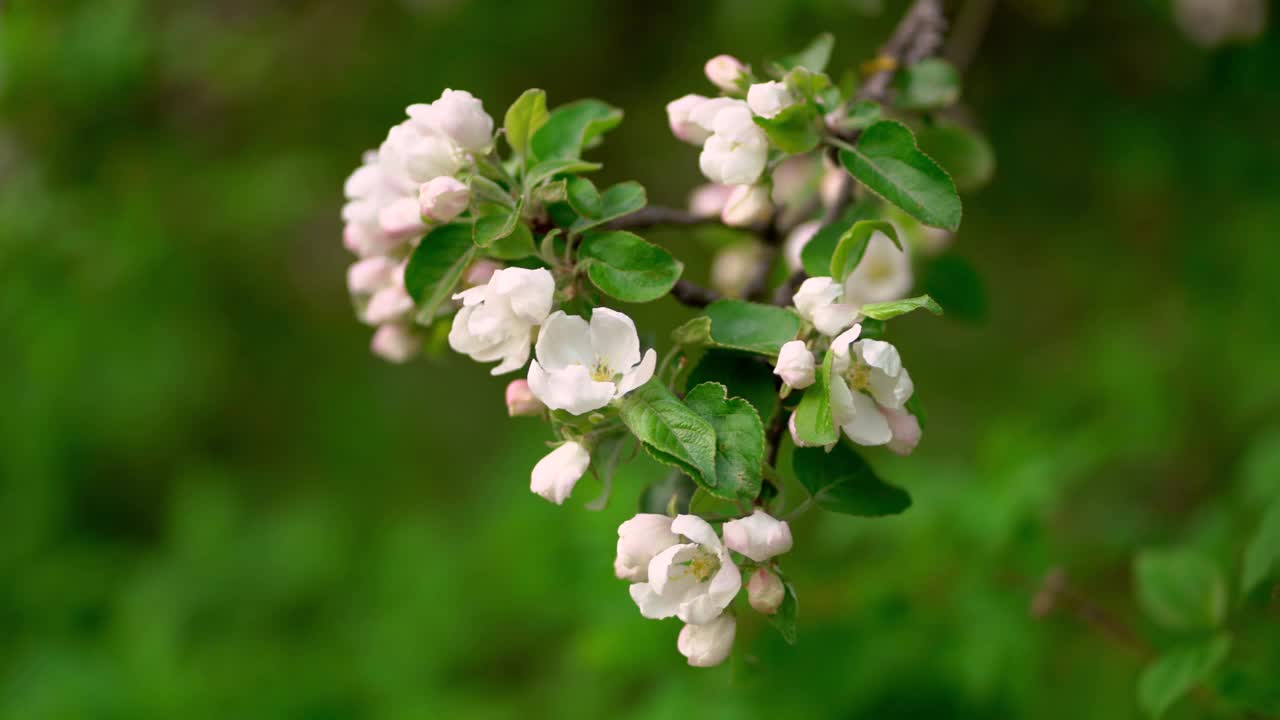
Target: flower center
858,375
703,565
601,372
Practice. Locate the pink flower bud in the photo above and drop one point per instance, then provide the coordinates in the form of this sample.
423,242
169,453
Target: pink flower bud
480,272
682,126
747,205
725,72
765,591
395,343
521,400
905,428
708,200
402,219
442,199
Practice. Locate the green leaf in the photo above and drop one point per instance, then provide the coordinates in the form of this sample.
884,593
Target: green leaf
794,130
525,116
956,285
853,244
484,190
515,245
813,57
965,154
493,227
784,621
739,440
572,128
862,114
1180,588
740,325
890,310
814,423
435,267
1172,675
671,432
841,481
621,199
809,84
548,169
1262,555
627,267
930,84
583,196
887,161
816,255
747,376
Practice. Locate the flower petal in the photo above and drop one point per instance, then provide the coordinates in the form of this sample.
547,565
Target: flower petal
660,565
614,339
638,375
868,425
652,604
570,389
697,530
564,340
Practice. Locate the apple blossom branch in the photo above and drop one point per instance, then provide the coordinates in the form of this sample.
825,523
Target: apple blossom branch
919,34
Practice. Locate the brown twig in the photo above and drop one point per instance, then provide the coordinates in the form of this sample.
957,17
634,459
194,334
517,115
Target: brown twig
919,34
693,295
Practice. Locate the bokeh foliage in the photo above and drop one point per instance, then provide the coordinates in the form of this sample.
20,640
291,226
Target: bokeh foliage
217,504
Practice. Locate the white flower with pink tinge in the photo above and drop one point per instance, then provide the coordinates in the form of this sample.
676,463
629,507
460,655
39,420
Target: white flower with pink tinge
583,366
694,581
497,319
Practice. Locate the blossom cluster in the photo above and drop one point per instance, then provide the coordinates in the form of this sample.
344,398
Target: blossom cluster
512,252
402,189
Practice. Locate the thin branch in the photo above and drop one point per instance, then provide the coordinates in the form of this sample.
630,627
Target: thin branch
919,34
971,24
693,295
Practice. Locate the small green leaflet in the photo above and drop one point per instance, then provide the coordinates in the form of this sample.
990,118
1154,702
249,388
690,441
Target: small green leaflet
890,310
853,245
887,161
739,440
930,84
671,432
1171,676
1180,588
814,424
841,481
525,116
794,130
572,128
814,57
627,267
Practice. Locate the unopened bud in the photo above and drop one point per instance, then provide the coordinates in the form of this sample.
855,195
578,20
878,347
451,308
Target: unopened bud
747,205
442,199
725,72
765,591
521,400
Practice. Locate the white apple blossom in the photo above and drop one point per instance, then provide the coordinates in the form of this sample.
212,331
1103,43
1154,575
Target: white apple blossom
496,320
458,115
704,114
395,342
737,150
639,540
582,367
759,536
797,239
694,581
708,200
883,274
402,219
414,153
818,300
765,591
747,205
768,99
521,401
905,428
679,112
442,199
555,475
368,190
725,72
709,644
832,183
866,375
796,365
370,275
391,302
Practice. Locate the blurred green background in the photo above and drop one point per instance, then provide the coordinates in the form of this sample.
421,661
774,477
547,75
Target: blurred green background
215,503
